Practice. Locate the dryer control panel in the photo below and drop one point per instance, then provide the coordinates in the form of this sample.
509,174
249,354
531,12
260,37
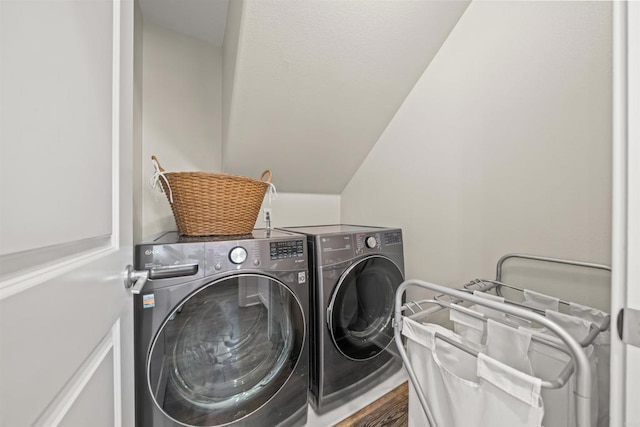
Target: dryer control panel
334,249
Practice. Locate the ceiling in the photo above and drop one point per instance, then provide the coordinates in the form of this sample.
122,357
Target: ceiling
316,82
202,19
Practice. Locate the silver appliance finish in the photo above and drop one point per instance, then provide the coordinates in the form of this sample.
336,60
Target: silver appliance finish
220,330
355,271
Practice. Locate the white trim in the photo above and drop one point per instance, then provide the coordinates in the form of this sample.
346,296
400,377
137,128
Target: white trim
115,129
19,263
619,205
115,201
632,296
625,359
117,375
58,408
42,274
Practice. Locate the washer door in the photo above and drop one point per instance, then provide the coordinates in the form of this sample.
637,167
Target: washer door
226,350
361,308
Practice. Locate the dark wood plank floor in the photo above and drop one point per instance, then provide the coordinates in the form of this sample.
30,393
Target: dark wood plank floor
388,411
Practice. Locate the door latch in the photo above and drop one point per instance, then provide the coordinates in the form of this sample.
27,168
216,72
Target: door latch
628,323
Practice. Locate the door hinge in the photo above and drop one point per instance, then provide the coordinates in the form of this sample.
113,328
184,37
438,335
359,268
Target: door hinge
628,323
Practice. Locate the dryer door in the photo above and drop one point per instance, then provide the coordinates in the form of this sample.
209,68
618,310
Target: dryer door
361,307
226,350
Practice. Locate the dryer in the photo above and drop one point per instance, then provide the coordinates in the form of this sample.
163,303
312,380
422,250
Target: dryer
355,271
220,330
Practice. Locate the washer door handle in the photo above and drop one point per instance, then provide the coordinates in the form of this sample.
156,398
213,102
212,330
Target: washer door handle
134,280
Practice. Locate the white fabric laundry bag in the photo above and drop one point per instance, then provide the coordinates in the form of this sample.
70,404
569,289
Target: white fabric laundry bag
601,344
515,347
463,390
541,301
510,345
474,329
469,327
541,359
602,351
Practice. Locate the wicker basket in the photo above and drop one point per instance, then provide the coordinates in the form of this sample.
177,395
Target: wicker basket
214,204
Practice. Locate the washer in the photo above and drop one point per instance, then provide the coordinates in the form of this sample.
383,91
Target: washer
220,331
355,271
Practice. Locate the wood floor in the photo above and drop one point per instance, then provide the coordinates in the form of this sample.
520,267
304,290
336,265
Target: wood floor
388,411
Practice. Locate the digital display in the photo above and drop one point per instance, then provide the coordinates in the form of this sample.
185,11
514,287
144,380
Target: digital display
287,249
394,238
336,243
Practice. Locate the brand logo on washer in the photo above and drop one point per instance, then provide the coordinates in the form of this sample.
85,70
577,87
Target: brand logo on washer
151,251
302,277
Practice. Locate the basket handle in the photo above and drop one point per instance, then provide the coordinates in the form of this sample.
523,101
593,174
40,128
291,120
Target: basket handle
268,175
154,158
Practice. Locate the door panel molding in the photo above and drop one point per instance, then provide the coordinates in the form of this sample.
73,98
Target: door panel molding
55,412
17,263
42,274
46,263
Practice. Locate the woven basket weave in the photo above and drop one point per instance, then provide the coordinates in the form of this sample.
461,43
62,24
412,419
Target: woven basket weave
214,204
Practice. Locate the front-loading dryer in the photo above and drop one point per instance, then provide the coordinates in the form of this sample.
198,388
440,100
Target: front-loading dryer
220,330
355,272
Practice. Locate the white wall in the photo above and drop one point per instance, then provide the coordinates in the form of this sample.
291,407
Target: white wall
293,209
229,59
504,145
182,92
182,126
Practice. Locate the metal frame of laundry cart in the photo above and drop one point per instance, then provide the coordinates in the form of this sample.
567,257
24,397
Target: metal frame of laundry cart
583,375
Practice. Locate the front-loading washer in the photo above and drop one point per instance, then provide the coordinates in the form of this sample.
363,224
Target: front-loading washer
220,330
355,272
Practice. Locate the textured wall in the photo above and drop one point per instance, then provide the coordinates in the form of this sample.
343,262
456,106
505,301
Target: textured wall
504,145
293,209
182,118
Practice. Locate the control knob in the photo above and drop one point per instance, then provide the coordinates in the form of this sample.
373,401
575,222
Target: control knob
238,255
371,242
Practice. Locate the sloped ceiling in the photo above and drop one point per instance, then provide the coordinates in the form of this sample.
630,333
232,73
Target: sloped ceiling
202,19
314,83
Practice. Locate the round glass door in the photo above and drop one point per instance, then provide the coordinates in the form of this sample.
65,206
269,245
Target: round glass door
226,350
362,308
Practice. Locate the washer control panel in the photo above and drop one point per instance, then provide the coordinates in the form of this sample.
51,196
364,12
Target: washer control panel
171,257
286,249
263,254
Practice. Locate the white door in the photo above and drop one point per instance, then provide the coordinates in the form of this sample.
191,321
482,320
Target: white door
625,358
65,212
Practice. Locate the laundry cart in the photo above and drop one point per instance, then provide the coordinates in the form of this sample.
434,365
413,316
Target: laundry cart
504,362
